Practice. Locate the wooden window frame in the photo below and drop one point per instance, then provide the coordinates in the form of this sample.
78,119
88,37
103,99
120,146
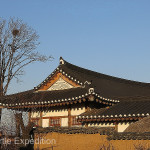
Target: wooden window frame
56,121
74,121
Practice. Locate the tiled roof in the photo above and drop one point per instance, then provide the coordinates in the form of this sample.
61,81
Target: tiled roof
76,130
44,97
48,98
129,136
120,110
104,85
140,126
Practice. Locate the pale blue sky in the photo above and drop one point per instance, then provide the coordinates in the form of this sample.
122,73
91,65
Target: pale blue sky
107,36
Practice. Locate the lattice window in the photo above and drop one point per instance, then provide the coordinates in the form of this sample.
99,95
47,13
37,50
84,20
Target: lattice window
55,122
75,121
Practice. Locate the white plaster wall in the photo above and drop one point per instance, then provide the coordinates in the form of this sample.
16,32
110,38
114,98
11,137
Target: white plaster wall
62,111
45,122
35,114
122,126
55,113
101,125
64,122
77,109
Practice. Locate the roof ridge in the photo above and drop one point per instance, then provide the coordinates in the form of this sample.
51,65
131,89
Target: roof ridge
97,74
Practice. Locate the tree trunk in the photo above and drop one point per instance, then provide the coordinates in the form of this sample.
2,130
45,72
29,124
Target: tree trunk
1,94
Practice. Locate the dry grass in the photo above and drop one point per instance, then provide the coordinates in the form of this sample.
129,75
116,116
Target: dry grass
141,147
107,147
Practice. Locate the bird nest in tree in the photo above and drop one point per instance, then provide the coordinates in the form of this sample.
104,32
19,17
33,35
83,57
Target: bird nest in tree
15,32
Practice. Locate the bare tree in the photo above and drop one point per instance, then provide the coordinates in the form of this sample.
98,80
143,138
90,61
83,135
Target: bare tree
18,42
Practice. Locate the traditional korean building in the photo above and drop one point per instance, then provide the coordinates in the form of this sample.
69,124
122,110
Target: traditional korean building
74,96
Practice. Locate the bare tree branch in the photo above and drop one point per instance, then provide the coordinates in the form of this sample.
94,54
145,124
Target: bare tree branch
18,43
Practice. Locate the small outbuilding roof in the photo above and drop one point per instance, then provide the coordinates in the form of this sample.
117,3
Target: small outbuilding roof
140,126
128,109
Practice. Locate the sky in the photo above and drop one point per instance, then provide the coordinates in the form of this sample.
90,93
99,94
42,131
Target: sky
106,36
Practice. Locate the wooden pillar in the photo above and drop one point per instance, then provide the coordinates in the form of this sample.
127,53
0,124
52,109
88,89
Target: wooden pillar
29,116
86,125
116,126
40,120
69,116
87,108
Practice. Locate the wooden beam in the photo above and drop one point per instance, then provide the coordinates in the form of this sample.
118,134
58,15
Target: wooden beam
84,99
80,101
97,100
